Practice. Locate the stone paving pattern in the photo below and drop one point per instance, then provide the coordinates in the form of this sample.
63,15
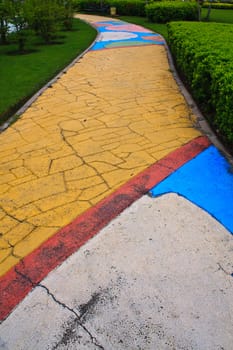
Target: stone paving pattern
113,114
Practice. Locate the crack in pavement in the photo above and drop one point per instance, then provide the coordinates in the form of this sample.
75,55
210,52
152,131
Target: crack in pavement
93,339
63,305
221,268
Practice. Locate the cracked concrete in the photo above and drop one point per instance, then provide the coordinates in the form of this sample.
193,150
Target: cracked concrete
78,322
67,335
141,283
113,114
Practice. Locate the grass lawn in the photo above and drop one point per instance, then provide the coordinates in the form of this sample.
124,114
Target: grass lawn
220,16
143,21
22,75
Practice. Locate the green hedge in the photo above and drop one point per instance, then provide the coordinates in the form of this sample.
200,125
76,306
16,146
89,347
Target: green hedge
218,5
204,55
129,7
124,7
166,11
82,5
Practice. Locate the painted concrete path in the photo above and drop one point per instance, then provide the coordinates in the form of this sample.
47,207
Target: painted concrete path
141,283
110,130
114,113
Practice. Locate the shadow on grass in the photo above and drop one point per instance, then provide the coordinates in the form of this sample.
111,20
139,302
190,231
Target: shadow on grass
18,53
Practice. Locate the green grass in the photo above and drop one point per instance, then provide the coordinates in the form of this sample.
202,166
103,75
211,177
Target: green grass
143,21
219,16
23,75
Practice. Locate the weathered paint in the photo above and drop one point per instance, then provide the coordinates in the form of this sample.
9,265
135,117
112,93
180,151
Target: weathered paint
207,181
113,114
18,282
156,278
122,34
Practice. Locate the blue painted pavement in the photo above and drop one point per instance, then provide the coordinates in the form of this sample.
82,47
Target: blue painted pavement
114,34
207,181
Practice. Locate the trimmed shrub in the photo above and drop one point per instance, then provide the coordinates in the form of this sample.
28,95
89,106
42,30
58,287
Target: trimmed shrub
45,17
124,7
166,11
129,7
203,53
91,5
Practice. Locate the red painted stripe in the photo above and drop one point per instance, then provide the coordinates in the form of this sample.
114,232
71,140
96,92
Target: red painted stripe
14,287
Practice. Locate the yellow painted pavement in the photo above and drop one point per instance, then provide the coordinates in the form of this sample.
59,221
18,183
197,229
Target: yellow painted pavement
113,114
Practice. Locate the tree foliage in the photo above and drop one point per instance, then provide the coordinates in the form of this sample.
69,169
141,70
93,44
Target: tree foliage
43,17
5,16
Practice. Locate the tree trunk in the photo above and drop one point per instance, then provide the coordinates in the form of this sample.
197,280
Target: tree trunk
208,13
3,32
199,12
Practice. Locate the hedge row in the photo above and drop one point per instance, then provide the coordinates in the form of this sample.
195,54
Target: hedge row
124,7
218,5
219,1
129,7
204,55
156,10
159,11
166,11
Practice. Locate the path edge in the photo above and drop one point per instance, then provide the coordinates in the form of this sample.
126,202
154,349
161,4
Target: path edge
201,122
26,105
23,277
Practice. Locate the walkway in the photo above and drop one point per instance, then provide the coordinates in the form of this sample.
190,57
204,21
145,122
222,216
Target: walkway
110,117
114,127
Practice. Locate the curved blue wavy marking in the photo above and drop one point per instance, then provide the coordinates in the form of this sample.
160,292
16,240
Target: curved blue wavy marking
142,38
207,181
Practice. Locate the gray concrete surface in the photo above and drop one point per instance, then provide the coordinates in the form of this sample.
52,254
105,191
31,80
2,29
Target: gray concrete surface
157,277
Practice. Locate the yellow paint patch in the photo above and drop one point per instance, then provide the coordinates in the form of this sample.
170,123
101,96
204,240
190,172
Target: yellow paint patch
18,233
4,188
8,263
4,179
102,167
23,180
60,216
7,224
5,253
4,245
93,192
136,159
26,212
120,176
65,163
106,157
87,147
38,165
35,189
21,172
32,241
10,164
57,200
85,171
84,183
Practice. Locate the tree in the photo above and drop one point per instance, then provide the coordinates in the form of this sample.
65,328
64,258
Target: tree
68,13
4,19
18,17
45,18
199,5
208,12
